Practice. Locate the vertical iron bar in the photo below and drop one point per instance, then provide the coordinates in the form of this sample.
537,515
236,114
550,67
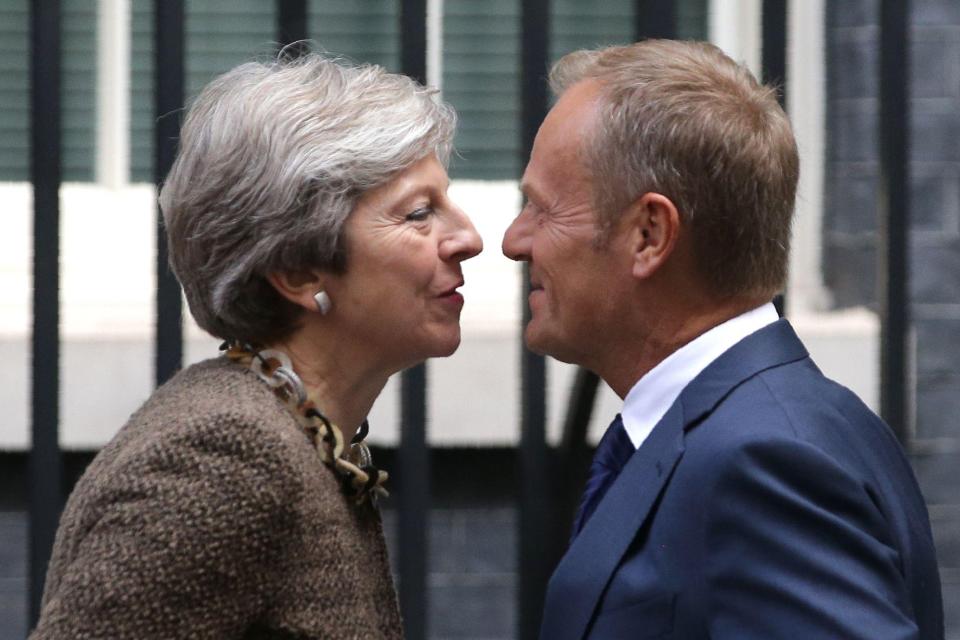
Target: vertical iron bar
168,101
655,19
773,48
414,498
894,212
413,36
46,463
535,510
292,26
773,54
573,455
412,510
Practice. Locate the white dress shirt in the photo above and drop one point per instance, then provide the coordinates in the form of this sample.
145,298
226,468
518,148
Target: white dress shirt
653,394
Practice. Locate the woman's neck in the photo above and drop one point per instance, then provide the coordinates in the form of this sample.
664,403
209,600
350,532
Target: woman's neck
338,377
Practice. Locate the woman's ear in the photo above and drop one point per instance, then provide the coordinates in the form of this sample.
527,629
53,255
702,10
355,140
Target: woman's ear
654,228
303,288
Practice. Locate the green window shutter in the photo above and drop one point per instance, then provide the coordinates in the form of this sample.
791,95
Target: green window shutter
589,25
481,58
78,28
583,25
220,34
360,30
692,19
14,92
224,33
79,89
481,76
141,91
481,67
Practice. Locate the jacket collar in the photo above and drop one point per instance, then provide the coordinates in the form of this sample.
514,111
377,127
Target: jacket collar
772,346
582,575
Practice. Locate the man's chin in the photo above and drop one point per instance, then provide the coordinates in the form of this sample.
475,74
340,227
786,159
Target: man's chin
533,339
546,344
542,343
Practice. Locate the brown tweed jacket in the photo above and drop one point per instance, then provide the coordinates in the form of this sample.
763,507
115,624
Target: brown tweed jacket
210,515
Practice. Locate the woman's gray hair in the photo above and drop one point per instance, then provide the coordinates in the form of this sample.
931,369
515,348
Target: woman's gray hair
273,157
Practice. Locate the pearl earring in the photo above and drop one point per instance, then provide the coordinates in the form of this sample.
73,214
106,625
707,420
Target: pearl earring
323,302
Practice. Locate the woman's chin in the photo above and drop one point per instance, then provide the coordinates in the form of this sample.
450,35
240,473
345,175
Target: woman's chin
437,345
445,345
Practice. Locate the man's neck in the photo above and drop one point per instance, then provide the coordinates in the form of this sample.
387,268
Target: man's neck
635,355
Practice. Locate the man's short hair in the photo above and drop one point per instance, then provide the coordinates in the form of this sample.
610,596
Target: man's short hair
683,120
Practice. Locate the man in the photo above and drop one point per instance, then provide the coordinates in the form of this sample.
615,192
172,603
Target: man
740,494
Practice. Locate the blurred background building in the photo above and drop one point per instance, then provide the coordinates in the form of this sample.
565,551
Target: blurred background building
475,400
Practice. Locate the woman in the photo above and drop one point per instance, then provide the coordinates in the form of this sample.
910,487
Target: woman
309,225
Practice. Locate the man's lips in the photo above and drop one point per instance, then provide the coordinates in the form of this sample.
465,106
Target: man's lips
452,297
452,290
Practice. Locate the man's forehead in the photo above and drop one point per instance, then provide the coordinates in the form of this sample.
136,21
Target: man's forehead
576,109
568,125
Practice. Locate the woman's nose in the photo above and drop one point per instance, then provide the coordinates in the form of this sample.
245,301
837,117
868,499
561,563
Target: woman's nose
463,241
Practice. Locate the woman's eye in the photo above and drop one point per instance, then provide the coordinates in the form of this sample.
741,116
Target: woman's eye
419,215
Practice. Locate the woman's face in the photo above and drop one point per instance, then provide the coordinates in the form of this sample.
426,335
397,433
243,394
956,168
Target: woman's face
405,242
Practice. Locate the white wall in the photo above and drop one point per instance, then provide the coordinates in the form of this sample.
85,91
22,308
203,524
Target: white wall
108,247
107,258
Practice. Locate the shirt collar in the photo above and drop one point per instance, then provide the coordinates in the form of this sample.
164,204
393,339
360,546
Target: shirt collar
653,394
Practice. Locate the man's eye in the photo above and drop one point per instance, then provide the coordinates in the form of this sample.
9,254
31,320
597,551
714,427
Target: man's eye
419,215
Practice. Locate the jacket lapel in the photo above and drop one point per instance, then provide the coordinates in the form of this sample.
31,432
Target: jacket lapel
583,573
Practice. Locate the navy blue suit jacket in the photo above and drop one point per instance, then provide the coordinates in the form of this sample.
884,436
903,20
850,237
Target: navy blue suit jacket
768,503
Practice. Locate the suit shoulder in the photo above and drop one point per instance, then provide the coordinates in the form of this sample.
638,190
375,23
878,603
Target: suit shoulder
796,405
793,400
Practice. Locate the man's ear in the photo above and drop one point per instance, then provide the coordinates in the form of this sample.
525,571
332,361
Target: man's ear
299,287
655,228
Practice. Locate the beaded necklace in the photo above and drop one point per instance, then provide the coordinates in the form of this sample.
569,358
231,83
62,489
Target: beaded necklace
359,479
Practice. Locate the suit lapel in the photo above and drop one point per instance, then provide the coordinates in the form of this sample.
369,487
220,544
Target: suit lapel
583,573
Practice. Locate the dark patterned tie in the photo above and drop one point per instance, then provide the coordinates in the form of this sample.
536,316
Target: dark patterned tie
613,451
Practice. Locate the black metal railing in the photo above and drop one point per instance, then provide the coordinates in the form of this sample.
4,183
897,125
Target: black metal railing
543,516
414,468
46,462
773,58
536,513
894,213
168,69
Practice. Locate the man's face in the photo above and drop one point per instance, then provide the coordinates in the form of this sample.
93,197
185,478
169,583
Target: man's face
570,275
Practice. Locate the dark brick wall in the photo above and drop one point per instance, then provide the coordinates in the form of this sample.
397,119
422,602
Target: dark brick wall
472,535
850,230
471,581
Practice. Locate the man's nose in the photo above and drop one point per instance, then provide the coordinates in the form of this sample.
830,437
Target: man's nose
517,241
